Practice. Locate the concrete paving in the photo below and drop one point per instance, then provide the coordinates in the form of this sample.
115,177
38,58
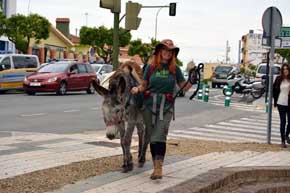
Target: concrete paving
22,153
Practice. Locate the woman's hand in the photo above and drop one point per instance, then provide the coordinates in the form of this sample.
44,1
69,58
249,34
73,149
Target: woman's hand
134,90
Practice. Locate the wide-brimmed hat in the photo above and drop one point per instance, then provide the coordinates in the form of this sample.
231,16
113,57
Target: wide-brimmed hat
168,44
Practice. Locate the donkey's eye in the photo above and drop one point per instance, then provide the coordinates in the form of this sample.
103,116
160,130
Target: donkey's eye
118,110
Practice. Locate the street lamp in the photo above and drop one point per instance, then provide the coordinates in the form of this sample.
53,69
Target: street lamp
156,21
86,14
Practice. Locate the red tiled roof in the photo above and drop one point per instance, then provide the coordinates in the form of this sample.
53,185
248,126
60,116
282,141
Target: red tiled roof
63,20
74,39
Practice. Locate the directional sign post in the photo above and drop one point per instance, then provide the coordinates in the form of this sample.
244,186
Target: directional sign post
272,23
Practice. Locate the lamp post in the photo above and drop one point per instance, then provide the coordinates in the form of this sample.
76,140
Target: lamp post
156,21
86,14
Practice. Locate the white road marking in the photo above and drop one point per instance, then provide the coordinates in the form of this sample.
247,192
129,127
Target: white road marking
71,111
31,115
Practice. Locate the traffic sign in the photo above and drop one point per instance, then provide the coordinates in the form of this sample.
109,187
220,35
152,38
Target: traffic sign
284,32
272,21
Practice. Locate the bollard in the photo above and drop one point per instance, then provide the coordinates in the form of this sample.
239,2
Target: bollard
206,93
200,91
228,96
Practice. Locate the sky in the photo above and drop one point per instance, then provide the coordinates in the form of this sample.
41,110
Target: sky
200,28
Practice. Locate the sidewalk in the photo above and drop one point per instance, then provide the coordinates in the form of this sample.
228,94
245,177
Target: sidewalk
23,153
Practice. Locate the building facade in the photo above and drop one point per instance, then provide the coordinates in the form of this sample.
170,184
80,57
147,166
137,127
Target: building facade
253,51
8,8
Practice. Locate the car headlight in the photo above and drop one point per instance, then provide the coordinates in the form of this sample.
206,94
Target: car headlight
52,79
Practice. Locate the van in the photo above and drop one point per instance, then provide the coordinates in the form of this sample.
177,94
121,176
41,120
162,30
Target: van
262,68
13,69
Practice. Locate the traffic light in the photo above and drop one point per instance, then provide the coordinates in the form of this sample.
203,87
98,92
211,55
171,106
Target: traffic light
132,20
113,5
172,9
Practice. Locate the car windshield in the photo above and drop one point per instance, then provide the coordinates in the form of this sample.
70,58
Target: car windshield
96,68
263,69
223,69
54,68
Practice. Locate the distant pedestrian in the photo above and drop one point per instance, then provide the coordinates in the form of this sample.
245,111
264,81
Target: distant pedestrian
281,97
160,78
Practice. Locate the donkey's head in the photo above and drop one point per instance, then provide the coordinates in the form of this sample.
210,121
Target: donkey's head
113,106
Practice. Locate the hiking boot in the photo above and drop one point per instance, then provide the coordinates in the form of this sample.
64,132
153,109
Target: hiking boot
158,164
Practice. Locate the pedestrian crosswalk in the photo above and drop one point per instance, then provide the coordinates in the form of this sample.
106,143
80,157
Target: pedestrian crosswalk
245,129
235,103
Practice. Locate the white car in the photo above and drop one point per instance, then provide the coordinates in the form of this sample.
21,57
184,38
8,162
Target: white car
102,70
261,70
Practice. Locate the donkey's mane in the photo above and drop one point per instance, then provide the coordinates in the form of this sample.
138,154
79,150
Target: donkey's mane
126,68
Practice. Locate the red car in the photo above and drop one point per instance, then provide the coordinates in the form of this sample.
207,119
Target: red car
61,77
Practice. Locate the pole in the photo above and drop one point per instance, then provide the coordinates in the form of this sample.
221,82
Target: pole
116,41
239,53
28,8
156,21
272,52
86,14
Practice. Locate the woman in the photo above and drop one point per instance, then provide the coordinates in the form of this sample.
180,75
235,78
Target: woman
160,78
281,97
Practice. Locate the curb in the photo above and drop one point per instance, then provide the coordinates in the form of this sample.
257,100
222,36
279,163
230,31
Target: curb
225,179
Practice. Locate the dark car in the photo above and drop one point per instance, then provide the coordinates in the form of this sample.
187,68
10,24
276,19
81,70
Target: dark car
61,77
220,75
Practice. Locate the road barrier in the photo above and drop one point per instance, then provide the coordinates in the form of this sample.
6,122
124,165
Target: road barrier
200,91
228,96
206,93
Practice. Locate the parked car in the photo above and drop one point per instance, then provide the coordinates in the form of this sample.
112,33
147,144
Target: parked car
61,77
220,75
13,69
102,70
262,69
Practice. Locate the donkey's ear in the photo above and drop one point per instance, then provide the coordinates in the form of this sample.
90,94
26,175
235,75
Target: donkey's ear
100,90
121,85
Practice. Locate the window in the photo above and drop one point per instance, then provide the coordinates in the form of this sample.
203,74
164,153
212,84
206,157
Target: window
73,68
2,46
108,69
89,68
82,68
24,62
6,64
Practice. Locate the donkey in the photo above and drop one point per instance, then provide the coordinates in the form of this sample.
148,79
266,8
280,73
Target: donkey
120,108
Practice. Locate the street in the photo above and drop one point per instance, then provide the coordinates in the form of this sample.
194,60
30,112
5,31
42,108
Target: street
79,112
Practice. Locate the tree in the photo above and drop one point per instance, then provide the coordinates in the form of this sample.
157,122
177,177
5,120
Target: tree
285,53
2,23
21,29
144,50
102,39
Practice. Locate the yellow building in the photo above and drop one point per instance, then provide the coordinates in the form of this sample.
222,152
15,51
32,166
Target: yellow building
59,45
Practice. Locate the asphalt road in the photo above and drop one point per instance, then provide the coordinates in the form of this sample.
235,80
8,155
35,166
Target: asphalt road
80,112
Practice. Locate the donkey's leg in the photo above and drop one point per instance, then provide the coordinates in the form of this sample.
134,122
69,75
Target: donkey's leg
121,128
142,146
128,138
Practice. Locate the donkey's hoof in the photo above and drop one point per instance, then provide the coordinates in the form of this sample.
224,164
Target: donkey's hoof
127,168
141,164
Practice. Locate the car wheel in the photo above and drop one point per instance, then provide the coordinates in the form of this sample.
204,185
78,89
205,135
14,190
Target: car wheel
91,89
3,91
30,93
62,89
